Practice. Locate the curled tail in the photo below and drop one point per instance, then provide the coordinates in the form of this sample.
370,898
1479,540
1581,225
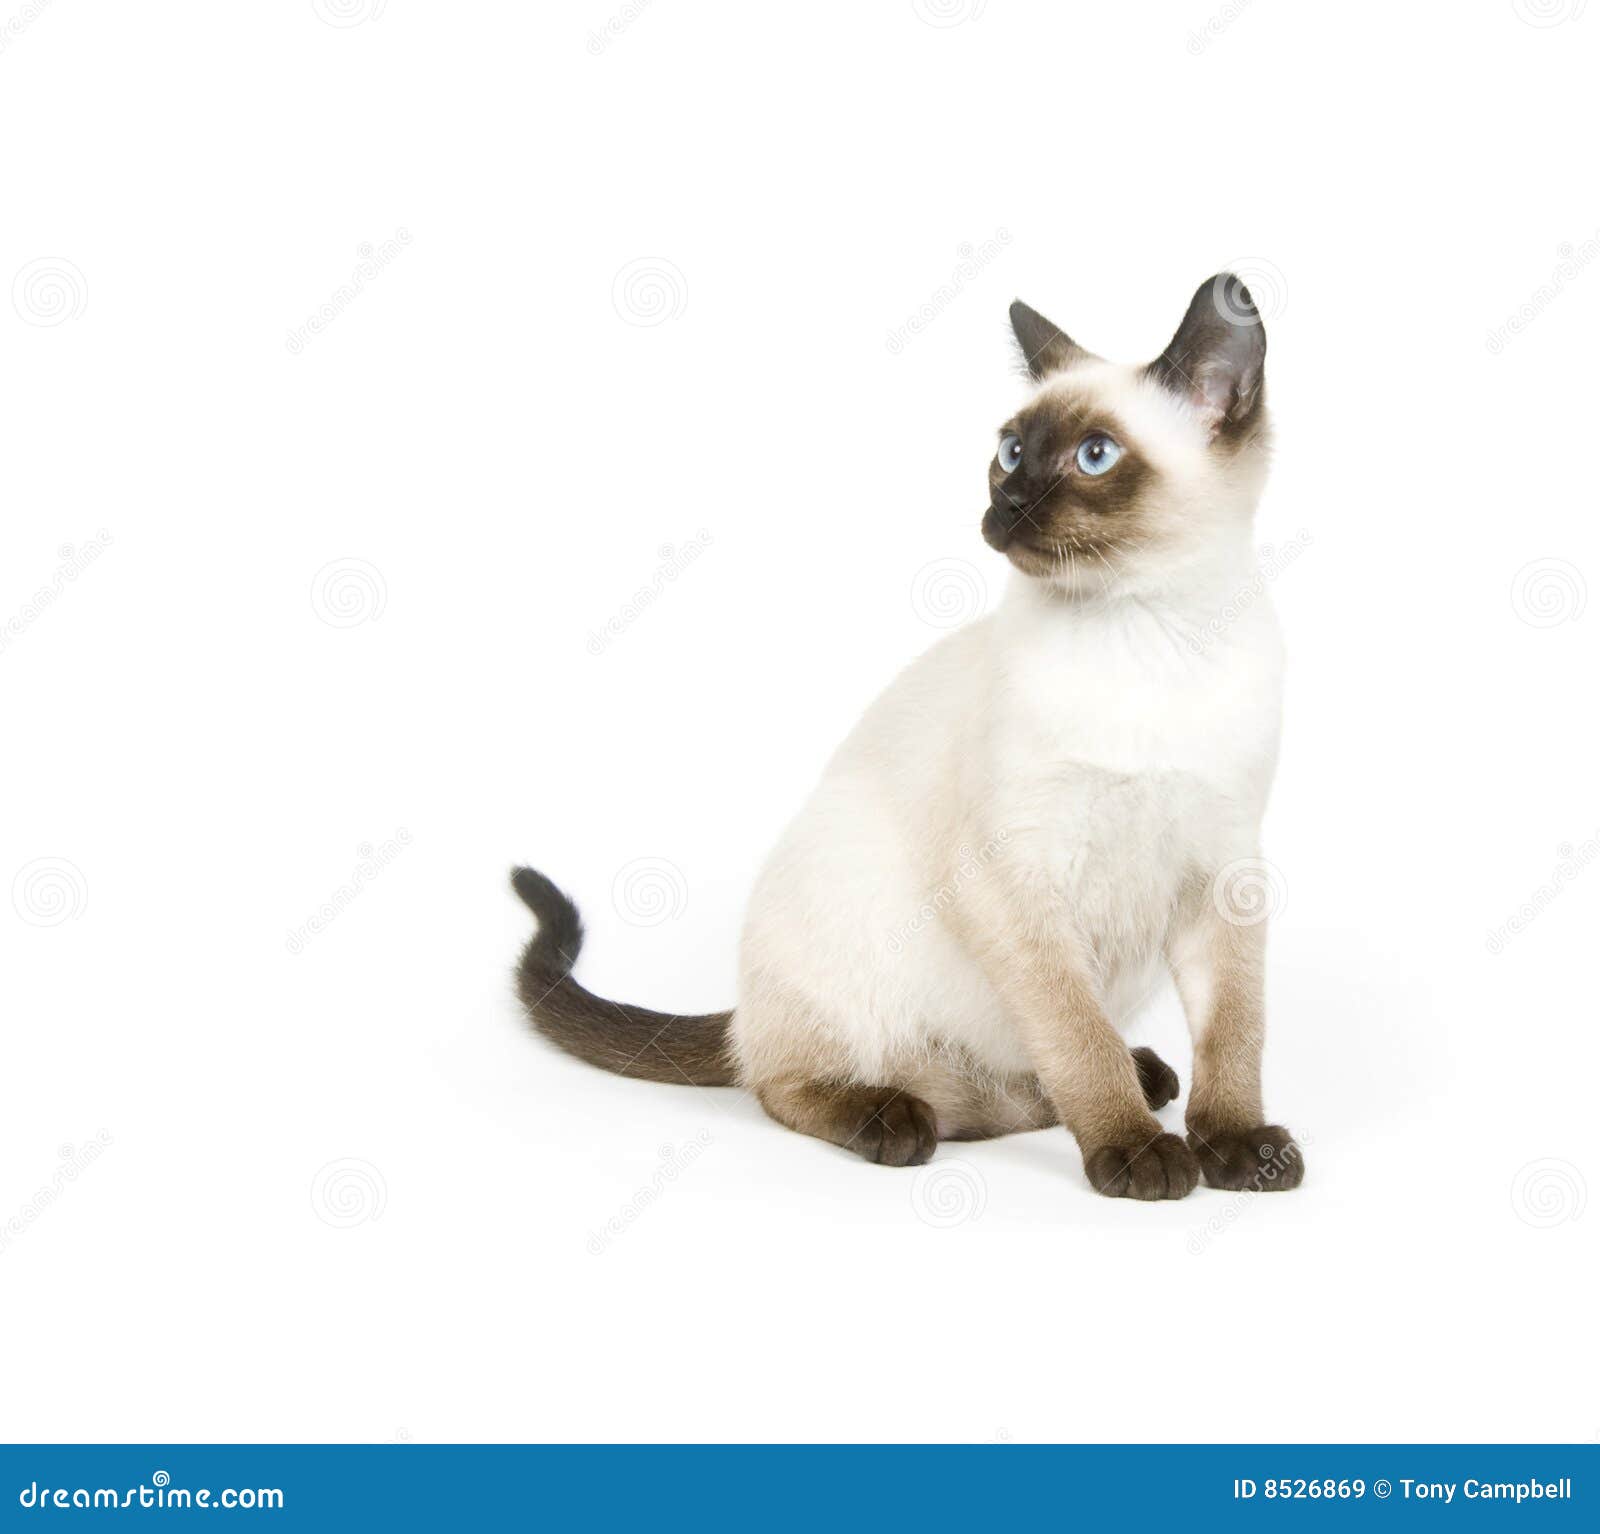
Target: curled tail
631,1041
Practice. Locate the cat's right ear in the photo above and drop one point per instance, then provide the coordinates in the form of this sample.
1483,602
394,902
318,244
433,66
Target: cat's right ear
1214,363
1046,349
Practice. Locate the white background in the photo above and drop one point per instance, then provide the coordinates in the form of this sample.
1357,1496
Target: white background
647,288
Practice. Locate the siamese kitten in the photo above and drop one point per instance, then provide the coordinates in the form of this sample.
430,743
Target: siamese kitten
1029,824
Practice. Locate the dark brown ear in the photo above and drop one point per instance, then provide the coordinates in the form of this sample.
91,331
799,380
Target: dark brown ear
1045,349
1215,362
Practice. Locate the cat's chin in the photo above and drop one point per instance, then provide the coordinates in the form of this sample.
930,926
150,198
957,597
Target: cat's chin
1069,576
1035,562
1026,557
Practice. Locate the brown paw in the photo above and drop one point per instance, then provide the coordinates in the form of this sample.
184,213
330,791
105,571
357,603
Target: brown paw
1159,1080
1162,1167
1264,1159
899,1130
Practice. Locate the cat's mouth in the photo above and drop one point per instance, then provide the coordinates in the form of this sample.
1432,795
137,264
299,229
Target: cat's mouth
1003,533
1030,551
1035,553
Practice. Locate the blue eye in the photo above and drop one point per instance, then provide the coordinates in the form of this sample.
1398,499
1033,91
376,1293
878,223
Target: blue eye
1010,454
1096,454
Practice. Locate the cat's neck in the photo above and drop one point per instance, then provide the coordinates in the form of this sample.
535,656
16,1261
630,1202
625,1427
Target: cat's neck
1191,586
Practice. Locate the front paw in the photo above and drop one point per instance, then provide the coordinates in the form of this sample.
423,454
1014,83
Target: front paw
1161,1167
1263,1160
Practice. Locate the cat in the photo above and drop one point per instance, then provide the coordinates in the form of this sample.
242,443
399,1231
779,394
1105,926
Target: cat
1034,820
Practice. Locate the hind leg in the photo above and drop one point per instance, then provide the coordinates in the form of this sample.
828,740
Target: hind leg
975,1105
1159,1080
884,1124
893,1126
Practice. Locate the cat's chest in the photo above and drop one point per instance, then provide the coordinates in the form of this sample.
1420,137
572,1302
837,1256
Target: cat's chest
1119,747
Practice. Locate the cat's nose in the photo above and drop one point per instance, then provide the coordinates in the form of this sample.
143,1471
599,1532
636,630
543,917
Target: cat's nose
1000,521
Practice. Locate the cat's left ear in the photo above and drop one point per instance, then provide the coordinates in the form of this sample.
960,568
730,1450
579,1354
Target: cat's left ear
1215,362
1046,348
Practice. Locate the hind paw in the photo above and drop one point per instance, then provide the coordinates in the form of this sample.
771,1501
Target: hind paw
1159,1080
897,1130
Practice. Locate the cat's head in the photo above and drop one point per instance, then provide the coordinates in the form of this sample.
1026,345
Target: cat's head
1116,476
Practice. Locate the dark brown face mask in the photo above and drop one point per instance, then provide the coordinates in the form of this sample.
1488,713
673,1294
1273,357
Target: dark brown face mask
1068,478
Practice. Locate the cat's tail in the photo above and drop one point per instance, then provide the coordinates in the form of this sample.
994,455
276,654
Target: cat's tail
631,1041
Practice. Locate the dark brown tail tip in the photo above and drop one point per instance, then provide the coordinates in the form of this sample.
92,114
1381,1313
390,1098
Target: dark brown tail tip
554,949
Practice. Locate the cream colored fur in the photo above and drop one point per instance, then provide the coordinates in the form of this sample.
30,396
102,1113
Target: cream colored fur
1069,767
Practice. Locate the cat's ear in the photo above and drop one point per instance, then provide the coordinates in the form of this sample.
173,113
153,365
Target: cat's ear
1215,362
1045,348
